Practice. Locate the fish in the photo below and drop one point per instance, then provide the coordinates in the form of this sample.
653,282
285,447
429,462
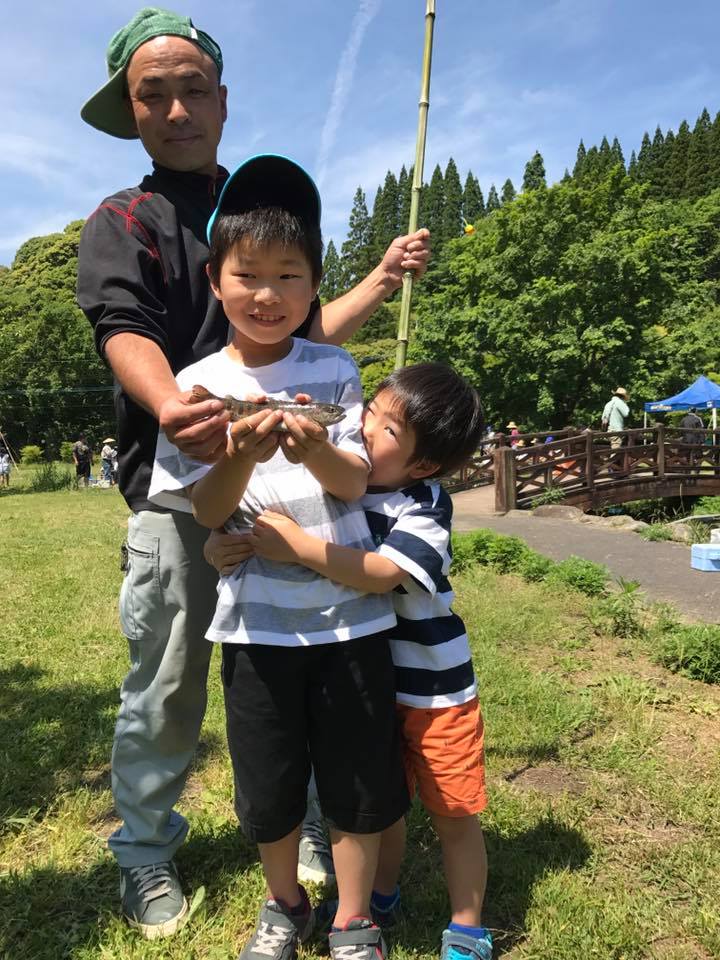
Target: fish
324,414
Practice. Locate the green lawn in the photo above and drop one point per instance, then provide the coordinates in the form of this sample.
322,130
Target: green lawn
604,771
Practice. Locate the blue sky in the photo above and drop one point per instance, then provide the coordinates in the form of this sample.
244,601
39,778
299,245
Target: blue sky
335,84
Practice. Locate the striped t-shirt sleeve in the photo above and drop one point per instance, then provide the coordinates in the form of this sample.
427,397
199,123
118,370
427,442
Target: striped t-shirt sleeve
419,541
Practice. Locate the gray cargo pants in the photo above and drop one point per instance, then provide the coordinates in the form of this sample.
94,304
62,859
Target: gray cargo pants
167,601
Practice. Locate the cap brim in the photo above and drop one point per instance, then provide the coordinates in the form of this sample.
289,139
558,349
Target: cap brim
269,180
108,110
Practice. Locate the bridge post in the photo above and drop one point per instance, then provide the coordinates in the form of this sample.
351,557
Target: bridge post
589,461
504,468
660,431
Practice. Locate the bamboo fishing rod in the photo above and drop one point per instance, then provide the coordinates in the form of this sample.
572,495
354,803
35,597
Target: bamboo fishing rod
423,107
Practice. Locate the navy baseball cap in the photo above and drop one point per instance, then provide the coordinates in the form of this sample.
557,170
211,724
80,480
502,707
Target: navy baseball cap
269,180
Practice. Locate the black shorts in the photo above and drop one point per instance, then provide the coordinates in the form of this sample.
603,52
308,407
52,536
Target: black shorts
332,706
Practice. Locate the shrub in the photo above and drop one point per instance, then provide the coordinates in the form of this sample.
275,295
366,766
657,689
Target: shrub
551,494
472,548
51,477
535,567
584,575
66,450
699,531
622,610
506,554
462,554
31,453
693,651
707,505
656,531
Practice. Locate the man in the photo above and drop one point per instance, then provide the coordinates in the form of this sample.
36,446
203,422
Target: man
614,415
82,458
142,285
690,425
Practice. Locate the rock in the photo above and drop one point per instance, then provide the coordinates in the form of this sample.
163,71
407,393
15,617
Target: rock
624,522
680,532
518,514
557,511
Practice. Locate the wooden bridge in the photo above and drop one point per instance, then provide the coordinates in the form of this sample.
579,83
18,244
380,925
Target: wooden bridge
592,469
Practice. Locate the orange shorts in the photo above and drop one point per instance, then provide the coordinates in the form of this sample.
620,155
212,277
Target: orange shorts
445,757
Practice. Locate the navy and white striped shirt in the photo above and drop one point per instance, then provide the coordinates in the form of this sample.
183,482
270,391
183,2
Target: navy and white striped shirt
411,527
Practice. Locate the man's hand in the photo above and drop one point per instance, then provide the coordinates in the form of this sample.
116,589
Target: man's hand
226,551
196,429
276,537
410,252
252,438
304,438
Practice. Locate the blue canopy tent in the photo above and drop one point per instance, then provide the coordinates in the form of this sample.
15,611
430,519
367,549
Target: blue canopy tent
703,395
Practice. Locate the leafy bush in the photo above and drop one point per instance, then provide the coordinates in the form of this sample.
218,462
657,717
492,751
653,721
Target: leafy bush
621,610
693,651
66,450
699,531
462,554
584,575
707,505
506,554
472,548
535,567
31,453
551,494
51,477
655,532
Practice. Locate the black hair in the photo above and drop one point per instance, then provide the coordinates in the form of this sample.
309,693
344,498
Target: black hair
443,410
264,227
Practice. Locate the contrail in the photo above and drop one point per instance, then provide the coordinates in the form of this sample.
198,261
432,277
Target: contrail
343,80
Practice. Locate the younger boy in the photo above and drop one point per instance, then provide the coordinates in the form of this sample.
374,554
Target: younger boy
307,671
423,421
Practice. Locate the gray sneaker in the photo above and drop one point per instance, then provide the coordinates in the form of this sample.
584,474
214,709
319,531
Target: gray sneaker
152,899
360,939
315,862
278,932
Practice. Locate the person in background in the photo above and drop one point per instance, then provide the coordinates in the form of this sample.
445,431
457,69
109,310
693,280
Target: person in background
692,427
5,467
514,432
108,455
614,415
82,458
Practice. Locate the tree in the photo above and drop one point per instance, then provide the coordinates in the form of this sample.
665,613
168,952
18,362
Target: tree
493,201
404,197
452,208
473,205
616,151
632,166
697,174
432,204
332,285
385,222
714,146
578,169
677,162
534,178
356,254
508,191
645,159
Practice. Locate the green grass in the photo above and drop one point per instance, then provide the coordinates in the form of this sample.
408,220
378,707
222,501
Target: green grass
603,768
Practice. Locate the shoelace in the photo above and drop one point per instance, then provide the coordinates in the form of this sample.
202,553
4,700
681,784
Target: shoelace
313,832
269,939
152,880
352,951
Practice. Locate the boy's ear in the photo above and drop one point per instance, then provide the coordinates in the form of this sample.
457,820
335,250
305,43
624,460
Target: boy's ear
215,289
423,468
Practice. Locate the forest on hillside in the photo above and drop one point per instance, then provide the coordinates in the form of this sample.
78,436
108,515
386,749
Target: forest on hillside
610,276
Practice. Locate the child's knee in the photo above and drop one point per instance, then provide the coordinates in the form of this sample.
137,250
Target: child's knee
456,829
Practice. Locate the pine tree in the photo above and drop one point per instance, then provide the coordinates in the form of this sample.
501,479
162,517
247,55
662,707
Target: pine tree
473,205
579,168
590,170
677,164
493,201
697,175
508,191
404,189
534,178
616,151
658,164
331,286
385,215
452,208
432,203
645,160
632,166
604,157
356,252
714,141
566,177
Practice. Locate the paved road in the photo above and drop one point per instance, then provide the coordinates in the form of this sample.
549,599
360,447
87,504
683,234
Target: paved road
663,569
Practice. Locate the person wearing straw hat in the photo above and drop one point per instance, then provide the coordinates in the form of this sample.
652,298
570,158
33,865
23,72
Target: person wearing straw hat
514,432
108,455
614,415
143,286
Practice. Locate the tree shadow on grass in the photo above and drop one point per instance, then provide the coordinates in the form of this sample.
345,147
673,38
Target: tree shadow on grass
52,738
53,914
516,863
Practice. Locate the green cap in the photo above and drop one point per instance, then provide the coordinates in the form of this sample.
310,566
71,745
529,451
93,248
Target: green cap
107,109
269,180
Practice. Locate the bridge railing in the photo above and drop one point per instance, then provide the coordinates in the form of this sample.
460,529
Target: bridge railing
588,466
